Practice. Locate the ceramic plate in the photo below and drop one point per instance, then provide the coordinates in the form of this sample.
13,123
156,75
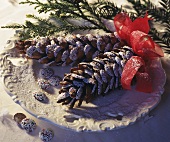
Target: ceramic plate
117,109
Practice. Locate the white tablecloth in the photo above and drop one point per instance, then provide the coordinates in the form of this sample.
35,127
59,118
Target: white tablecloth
149,129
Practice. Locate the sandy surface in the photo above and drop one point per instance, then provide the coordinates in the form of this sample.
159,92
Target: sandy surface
152,128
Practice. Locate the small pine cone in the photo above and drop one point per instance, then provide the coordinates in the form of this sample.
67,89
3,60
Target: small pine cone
94,78
69,50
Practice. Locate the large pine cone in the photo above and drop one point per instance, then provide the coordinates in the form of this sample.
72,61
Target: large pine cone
97,77
68,50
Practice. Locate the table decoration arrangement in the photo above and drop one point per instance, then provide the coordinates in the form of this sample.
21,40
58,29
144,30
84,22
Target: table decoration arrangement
88,82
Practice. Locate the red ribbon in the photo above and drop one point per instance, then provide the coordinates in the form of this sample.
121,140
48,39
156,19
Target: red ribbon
136,35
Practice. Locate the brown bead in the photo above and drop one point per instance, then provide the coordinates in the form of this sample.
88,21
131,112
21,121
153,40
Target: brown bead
18,117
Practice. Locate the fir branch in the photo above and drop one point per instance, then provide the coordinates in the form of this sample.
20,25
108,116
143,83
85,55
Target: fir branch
76,9
139,8
14,26
43,27
93,13
162,39
73,10
106,9
159,14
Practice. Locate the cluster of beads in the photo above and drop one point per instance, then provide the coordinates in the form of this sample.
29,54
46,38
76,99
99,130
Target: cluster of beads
26,123
48,79
29,125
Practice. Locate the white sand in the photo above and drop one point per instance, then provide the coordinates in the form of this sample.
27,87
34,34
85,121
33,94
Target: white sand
149,129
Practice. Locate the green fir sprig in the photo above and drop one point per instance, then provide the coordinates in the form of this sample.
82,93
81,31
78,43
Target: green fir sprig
160,16
64,16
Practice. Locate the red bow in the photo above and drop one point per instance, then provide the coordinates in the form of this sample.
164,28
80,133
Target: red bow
136,35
